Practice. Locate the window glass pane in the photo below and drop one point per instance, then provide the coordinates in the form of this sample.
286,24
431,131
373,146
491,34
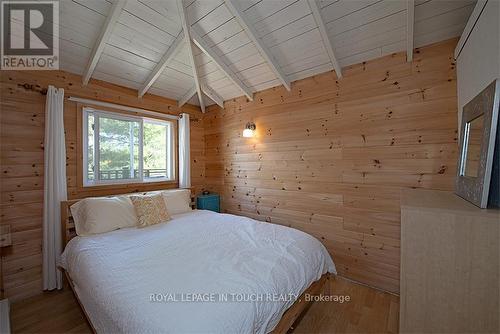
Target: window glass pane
125,148
155,150
118,149
90,147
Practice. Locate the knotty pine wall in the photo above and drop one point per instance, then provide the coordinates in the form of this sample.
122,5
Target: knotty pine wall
331,156
22,162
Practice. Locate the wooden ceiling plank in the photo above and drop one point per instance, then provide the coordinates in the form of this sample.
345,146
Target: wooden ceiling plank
207,50
186,97
252,34
187,36
165,60
410,24
324,35
103,38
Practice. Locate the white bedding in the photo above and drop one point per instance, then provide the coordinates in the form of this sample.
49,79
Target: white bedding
196,253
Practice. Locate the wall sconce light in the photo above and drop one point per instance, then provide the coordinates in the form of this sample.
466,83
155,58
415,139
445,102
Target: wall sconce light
249,130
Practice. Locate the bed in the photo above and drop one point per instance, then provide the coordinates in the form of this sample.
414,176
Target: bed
200,272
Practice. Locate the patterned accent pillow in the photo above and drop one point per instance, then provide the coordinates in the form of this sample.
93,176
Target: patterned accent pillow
150,209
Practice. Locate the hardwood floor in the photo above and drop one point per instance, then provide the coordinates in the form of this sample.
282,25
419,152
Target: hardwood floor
50,312
367,311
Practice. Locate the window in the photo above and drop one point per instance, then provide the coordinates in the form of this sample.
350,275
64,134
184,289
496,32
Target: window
119,148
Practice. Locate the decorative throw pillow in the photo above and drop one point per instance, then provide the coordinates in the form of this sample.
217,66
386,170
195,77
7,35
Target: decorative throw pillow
150,209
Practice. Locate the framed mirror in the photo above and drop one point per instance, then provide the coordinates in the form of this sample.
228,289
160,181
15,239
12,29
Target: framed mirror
477,146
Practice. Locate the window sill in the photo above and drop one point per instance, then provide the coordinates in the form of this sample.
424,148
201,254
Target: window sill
128,184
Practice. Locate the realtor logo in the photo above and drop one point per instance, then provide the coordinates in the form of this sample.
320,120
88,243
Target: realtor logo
30,35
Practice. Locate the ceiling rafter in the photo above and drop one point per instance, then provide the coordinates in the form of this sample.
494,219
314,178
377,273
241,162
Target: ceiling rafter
410,24
186,97
115,11
252,34
324,36
209,91
205,48
474,16
162,64
103,38
213,95
187,37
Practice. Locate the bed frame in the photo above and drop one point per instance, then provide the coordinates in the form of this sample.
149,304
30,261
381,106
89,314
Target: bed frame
287,320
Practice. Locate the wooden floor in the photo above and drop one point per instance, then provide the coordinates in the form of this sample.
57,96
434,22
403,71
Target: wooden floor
368,311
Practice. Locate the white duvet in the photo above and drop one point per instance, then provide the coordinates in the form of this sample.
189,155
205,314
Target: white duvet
173,277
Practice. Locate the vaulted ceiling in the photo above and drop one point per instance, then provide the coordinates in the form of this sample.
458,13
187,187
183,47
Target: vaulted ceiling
241,46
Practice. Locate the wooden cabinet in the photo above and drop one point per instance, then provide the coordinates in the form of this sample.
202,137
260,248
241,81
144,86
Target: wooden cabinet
449,264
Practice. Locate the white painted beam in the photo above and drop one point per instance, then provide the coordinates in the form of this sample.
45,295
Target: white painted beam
410,24
474,16
103,38
252,34
187,36
213,95
324,35
162,64
186,97
205,48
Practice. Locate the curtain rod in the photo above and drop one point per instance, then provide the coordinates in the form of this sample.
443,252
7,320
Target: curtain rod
122,107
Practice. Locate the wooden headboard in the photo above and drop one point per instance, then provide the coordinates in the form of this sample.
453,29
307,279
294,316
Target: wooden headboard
68,230
67,224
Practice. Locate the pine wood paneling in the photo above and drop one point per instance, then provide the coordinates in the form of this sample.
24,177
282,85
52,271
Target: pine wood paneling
22,161
331,156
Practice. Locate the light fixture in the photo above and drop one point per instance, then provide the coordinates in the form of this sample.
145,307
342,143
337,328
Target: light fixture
249,130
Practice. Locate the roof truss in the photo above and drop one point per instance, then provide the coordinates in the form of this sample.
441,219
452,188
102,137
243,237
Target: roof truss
324,35
103,38
205,48
217,55
186,97
165,60
212,94
474,16
187,36
252,34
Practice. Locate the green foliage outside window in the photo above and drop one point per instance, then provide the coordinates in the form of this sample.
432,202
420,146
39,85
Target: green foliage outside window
119,150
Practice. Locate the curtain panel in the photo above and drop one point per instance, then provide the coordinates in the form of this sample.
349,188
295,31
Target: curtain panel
184,152
55,189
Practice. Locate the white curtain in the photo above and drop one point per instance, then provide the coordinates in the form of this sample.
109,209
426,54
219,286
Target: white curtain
54,186
184,152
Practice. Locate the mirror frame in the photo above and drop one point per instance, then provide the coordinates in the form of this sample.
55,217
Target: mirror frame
476,189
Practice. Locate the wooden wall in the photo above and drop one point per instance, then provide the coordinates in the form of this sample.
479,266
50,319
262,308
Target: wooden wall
22,167
331,156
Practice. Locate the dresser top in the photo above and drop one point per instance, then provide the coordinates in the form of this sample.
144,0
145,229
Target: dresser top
429,200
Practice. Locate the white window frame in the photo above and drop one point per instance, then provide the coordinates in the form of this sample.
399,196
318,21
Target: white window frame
170,144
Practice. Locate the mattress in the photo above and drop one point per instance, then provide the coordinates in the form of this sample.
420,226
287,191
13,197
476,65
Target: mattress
202,272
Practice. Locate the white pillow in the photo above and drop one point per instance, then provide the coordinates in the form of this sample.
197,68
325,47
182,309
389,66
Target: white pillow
103,214
177,201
